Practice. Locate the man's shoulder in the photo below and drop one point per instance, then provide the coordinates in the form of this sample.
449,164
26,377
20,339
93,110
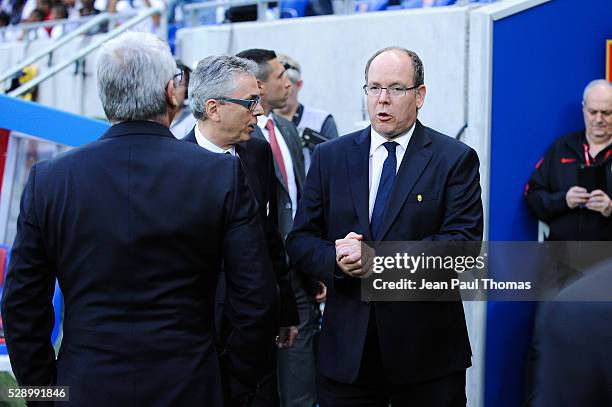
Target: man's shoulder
192,154
257,146
574,138
344,141
443,141
315,111
570,143
284,125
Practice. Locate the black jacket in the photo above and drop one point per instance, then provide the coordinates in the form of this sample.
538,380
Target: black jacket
135,226
418,340
553,176
257,161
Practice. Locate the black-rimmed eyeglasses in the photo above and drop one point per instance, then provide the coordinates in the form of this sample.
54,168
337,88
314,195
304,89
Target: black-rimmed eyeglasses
393,91
250,104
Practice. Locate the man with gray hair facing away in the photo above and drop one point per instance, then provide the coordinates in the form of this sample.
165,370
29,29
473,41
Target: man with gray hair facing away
225,100
135,226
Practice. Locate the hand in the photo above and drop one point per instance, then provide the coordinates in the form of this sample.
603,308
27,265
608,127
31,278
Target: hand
576,196
321,294
348,254
286,336
600,202
349,247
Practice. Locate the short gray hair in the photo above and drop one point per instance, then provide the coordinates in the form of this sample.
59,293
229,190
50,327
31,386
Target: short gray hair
592,84
213,78
133,71
417,64
294,70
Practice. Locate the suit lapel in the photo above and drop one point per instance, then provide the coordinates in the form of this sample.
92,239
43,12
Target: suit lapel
279,175
415,160
295,150
357,161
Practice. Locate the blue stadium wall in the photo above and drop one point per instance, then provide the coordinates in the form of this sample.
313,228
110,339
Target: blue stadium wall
542,59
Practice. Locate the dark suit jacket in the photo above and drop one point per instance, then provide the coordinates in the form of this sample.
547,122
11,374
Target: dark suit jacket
135,227
418,340
258,163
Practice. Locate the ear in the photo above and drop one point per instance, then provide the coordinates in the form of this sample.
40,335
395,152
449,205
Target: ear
262,86
171,98
420,96
299,83
212,110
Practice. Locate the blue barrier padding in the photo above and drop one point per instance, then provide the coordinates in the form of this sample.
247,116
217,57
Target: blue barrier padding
48,123
542,60
58,303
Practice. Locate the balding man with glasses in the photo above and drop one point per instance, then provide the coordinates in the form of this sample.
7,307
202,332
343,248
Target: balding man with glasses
396,180
225,100
571,186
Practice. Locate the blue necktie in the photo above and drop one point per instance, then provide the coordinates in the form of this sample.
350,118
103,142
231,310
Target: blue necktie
384,189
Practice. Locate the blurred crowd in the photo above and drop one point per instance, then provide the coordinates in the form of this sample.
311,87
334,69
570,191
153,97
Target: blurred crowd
15,13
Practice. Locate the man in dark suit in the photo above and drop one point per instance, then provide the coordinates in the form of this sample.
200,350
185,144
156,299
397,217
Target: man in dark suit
224,125
296,365
394,181
135,226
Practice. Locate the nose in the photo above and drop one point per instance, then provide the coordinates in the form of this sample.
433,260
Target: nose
599,117
287,82
384,97
258,111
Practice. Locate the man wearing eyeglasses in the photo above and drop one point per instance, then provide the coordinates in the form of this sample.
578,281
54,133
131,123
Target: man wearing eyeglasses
296,365
225,100
396,180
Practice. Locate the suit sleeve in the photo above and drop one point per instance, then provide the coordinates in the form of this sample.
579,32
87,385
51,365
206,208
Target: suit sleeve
463,218
543,201
27,310
276,249
307,244
251,288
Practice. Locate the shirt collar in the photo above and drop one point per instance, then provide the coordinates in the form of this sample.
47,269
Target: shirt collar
210,146
377,140
263,120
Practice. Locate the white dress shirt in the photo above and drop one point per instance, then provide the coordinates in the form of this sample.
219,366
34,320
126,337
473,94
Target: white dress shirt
261,122
207,144
378,155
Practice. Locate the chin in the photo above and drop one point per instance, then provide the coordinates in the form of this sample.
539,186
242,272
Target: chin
385,131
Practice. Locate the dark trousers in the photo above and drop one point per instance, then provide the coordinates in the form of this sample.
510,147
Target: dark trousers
236,395
297,365
374,389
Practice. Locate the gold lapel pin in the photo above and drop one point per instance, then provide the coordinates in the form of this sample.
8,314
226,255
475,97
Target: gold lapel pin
419,197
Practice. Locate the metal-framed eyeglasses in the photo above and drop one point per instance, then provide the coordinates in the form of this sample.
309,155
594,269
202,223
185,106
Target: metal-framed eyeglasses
393,91
250,104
